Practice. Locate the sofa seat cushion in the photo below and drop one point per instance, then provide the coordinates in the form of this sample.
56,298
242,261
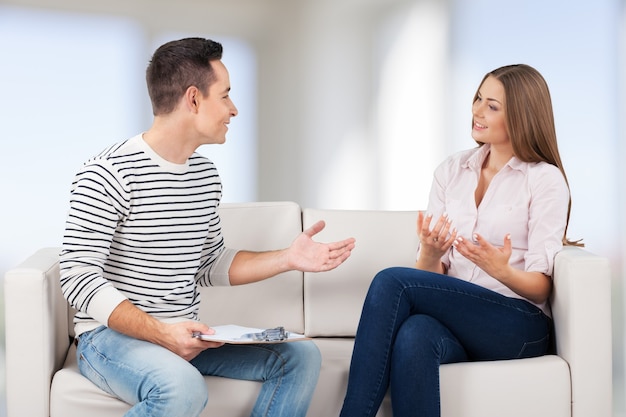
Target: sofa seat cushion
515,388
72,395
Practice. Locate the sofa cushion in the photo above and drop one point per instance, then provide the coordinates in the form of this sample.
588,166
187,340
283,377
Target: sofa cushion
74,395
333,300
513,388
522,387
274,302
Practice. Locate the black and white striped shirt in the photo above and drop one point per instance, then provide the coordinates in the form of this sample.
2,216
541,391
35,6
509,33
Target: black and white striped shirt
143,229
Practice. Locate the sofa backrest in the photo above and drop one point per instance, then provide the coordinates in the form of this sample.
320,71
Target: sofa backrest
333,300
275,302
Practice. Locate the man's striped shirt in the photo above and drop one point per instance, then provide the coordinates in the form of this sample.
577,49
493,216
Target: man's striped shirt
143,229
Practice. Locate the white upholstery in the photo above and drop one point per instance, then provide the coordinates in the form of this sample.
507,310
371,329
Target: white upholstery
333,300
43,380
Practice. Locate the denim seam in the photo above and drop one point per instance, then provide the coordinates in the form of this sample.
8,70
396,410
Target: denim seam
283,363
433,287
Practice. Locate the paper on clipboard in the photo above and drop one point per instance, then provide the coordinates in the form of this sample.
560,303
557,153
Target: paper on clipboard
232,333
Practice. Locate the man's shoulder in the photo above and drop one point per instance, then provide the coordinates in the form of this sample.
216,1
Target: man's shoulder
117,150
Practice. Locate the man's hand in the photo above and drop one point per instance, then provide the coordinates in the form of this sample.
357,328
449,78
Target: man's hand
178,338
126,318
306,255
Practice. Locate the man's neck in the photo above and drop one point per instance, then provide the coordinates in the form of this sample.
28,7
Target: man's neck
169,140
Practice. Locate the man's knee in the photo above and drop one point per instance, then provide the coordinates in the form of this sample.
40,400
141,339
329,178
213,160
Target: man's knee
184,394
303,358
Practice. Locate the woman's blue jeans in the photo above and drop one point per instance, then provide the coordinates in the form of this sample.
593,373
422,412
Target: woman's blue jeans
160,383
413,321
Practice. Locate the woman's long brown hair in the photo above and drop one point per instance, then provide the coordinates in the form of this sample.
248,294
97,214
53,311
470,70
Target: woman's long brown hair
530,120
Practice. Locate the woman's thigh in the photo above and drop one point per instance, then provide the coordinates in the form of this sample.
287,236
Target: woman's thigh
488,325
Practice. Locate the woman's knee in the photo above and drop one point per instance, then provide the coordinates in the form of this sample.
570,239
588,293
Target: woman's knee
418,331
423,336
385,281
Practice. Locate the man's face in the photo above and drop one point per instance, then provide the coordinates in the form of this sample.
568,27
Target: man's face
216,108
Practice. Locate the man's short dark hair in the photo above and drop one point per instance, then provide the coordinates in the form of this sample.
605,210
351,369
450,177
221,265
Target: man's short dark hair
178,65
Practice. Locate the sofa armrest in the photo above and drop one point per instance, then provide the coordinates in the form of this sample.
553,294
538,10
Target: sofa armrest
581,308
36,332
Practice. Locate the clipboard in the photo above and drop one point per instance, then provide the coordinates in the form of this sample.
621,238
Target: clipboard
232,333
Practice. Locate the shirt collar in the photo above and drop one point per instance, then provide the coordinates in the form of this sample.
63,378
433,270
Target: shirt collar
475,161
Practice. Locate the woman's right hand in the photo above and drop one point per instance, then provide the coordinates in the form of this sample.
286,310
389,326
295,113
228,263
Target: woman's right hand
434,242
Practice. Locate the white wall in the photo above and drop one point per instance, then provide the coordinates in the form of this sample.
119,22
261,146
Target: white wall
357,101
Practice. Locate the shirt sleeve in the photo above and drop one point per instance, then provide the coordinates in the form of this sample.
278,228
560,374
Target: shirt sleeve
436,202
96,204
547,217
216,258
218,273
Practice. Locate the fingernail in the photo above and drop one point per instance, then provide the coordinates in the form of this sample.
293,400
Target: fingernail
475,236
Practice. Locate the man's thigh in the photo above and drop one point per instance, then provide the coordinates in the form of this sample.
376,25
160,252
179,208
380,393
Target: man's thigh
254,362
125,367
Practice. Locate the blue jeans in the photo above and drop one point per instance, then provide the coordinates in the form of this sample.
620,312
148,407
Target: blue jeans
413,321
159,383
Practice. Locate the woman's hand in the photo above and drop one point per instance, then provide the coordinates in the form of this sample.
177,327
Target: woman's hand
434,242
491,259
494,260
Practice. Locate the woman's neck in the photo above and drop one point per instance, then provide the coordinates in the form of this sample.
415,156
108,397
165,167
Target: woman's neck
497,158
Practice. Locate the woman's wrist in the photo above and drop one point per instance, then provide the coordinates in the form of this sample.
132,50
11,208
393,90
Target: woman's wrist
431,265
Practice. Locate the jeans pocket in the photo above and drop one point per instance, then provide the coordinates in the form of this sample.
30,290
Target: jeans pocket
535,348
90,372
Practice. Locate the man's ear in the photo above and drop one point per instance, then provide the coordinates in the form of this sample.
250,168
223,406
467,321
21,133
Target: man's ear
192,98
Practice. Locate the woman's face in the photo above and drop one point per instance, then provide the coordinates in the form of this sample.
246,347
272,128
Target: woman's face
489,111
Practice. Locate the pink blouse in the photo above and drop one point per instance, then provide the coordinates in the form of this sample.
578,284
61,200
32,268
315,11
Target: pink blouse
527,200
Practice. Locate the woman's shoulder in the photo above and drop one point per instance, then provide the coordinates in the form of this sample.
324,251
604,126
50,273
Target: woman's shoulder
543,169
543,175
462,159
466,155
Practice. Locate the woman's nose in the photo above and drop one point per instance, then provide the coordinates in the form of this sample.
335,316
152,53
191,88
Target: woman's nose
476,109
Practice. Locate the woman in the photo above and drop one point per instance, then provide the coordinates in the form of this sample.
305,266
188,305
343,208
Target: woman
497,216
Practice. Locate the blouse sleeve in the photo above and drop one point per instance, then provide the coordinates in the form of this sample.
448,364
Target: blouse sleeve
547,217
436,202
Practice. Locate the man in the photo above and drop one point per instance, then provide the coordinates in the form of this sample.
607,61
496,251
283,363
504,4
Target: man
143,231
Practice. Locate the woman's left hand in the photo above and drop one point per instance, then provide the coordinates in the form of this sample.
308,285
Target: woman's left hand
494,260
491,259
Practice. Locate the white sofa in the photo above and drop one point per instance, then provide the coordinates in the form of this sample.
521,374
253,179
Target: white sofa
43,380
